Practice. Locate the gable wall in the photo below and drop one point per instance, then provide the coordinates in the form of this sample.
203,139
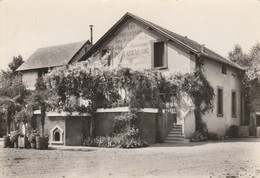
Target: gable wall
29,78
132,47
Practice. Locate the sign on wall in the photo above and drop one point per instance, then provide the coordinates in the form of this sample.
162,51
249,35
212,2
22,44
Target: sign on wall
131,46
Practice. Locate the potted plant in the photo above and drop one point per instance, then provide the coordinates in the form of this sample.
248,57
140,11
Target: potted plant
32,139
14,138
22,141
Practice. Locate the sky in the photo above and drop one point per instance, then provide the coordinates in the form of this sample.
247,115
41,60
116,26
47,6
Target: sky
26,25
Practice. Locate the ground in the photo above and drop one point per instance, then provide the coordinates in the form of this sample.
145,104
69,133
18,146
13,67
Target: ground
230,158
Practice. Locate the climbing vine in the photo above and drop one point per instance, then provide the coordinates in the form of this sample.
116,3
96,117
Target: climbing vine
104,87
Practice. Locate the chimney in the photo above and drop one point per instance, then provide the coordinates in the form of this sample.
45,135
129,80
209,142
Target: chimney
91,34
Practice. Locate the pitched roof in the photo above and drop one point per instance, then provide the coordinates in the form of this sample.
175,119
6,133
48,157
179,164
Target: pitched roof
52,56
181,40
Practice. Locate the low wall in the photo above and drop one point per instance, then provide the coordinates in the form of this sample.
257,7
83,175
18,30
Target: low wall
51,122
152,128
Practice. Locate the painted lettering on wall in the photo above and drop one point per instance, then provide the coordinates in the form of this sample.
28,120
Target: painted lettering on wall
131,45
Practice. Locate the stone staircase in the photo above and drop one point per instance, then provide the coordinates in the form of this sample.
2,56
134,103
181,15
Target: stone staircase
243,131
176,135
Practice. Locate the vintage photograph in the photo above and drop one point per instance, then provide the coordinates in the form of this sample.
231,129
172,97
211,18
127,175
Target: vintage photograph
129,88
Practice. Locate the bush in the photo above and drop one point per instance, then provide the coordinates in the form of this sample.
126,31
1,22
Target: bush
32,136
117,141
212,136
123,121
125,135
252,130
198,137
202,137
233,131
14,135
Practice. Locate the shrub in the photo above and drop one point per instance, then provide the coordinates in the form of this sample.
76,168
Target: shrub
125,135
123,121
199,137
252,130
212,136
32,136
233,131
119,141
14,135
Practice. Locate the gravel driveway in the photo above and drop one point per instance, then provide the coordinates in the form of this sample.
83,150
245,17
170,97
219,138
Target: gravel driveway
232,158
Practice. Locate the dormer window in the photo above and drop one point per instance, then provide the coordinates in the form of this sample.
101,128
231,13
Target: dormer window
159,55
224,69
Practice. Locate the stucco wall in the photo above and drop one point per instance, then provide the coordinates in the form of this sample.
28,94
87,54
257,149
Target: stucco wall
29,78
51,123
189,124
150,129
229,82
132,47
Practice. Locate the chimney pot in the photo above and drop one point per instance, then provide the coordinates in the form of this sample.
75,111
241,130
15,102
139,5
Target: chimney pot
91,34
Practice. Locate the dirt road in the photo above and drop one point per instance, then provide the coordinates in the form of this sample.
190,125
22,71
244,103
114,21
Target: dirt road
217,159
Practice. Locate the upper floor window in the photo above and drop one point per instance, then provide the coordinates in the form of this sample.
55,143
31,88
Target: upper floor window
42,72
220,102
159,55
234,103
224,69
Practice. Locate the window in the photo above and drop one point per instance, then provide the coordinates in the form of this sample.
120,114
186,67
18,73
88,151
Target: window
220,102
224,69
234,103
159,56
42,72
106,55
57,136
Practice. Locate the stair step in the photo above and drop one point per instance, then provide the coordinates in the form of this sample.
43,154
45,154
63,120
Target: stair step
175,134
177,141
174,138
177,127
176,130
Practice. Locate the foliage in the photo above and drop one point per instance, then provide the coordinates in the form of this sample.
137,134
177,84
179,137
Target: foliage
123,121
40,99
233,131
125,135
212,136
202,137
32,136
17,62
251,62
117,141
14,135
198,137
12,91
23,116
199,89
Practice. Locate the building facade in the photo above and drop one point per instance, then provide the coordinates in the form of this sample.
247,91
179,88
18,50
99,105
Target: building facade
139,44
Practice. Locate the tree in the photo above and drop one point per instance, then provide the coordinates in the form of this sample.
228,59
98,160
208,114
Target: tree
39,100
17,62
12,91
251,62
